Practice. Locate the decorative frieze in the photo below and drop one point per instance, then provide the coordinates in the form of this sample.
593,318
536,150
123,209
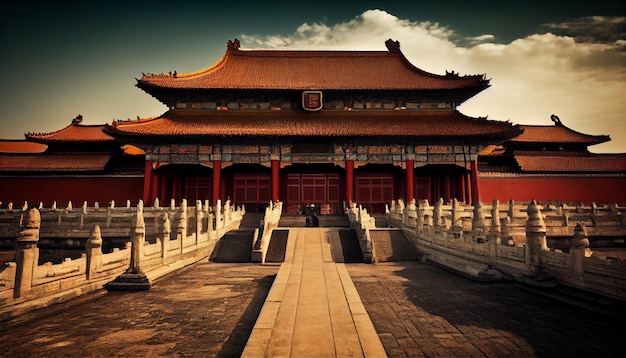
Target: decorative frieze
254,153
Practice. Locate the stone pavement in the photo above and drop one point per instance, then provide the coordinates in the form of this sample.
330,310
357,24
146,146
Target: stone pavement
421,310
205,310
418,310
313,308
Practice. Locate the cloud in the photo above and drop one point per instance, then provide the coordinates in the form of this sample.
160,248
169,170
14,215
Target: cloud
580,78
479,39
596,29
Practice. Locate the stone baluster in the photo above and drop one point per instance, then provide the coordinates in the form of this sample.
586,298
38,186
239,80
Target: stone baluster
26,253
138,239
156,204
227,213
478,223
199,220
535,237
457,225
496,227
438,216
580,248
219,224
166,232
421,215
93,248
181,228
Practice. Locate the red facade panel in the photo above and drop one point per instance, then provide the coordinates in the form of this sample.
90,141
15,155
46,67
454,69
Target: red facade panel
563,189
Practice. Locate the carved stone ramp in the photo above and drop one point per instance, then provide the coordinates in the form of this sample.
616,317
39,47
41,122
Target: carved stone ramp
278,246
313,308
392,245
234,246
345,246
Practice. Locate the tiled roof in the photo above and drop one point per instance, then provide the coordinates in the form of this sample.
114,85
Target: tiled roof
416,123
57,162
314,70
21,146
556,134
75,132
570,162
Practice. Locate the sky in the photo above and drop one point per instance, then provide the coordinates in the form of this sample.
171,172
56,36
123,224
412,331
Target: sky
59,59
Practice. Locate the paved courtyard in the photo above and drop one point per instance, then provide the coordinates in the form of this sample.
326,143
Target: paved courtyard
420,310
209,309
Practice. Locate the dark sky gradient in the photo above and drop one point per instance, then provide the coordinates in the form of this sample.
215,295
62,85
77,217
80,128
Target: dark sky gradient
62,58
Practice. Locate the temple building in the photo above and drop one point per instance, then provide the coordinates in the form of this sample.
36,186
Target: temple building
318,127
77,163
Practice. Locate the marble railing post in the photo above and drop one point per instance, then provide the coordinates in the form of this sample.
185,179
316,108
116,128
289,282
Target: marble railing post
410,214
138,239
478,223
535,237
181,225
219,224
227,213
421,215
93,249
457,226
166,232
580,248
26,253
496,227
199,218
438,216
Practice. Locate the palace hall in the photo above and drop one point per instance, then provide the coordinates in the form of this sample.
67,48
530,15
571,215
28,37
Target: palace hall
310,127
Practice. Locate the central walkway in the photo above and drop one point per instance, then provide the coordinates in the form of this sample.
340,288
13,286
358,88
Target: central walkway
313,308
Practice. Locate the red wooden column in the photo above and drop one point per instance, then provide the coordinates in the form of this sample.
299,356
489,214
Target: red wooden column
349,179
446,189
147,181
275,178
154,187
468,187
410,191
474,182
462,188
217,170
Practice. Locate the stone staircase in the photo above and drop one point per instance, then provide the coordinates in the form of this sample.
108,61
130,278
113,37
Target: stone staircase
324,221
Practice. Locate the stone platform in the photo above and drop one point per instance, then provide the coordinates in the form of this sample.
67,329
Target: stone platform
313,308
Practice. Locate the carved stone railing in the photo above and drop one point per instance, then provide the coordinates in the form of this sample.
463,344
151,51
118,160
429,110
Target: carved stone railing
263,234
152,246
361,222
510,241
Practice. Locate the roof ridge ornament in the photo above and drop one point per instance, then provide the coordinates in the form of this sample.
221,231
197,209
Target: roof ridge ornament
233,46
556,120
393,46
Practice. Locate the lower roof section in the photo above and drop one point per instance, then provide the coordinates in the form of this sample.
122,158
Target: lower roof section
570,162
393,123
53,162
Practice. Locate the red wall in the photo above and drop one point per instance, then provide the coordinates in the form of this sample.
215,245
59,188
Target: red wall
564,189
91,189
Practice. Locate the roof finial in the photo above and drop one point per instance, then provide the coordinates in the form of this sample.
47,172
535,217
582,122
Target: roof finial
78,119
393,46
233,45
556,120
